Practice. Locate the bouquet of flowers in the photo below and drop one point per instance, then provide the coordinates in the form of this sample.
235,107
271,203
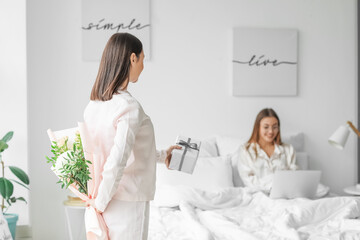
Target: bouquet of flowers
79,169
69,163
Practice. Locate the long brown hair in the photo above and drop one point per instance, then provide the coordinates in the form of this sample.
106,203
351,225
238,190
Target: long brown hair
115,65
266,112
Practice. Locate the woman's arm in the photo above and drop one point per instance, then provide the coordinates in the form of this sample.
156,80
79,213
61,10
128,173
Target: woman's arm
291,157
247,171
164,156
161,156
127,126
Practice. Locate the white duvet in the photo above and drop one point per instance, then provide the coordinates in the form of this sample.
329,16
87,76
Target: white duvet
241,213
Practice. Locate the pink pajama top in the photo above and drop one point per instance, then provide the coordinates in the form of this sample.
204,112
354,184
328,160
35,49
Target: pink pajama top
123,137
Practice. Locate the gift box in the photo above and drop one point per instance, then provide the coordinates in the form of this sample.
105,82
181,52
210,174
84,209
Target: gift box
184,159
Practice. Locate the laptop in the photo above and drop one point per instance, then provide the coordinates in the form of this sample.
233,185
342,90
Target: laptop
295,184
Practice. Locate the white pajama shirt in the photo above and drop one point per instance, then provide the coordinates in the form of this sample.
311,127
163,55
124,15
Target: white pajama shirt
257,170
124,135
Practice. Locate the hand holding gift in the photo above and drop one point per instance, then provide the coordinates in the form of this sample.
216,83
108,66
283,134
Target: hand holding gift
184,159
169,154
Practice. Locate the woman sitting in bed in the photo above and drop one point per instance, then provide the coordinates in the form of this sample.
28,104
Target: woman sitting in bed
264,153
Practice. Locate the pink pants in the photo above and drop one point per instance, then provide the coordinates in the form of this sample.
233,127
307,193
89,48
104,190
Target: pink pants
127,220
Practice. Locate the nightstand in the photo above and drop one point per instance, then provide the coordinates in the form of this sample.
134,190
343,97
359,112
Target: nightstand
353,190
74,211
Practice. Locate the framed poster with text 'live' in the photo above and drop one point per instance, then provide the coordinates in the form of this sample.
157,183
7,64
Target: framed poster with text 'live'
102,18
264,62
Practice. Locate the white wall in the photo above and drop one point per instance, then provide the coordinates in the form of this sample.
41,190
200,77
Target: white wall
186,87
13,96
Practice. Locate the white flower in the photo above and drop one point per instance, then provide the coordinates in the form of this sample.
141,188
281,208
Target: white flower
60,142
69,142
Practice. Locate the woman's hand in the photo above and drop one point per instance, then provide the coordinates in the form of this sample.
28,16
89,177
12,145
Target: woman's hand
91,202
168,154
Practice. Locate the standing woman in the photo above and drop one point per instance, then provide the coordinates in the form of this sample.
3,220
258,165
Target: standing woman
123,137
264,153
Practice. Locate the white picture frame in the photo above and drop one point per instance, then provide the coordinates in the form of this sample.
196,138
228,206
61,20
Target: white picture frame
264,62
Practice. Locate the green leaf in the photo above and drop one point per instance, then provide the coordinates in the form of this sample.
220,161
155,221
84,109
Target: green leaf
8,136
3,145
6,188
21,199
20,174
20,184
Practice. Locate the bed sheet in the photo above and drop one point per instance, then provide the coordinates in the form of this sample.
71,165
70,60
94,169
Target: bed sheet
243,213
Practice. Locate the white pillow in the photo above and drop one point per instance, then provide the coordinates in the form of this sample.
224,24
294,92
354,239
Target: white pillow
227,145
210,174
237,181
208,148
302,160
295,139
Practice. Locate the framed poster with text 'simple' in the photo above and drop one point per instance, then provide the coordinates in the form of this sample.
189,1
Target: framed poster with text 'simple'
102,18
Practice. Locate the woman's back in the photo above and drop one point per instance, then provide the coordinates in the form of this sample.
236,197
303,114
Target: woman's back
123,134
102,116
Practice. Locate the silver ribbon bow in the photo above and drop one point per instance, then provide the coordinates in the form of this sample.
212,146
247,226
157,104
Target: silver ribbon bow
187,145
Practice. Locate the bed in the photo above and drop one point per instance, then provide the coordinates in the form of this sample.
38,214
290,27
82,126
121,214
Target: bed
213,204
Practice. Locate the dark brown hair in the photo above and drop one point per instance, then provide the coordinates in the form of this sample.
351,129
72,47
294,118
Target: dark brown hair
115,65
266,112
